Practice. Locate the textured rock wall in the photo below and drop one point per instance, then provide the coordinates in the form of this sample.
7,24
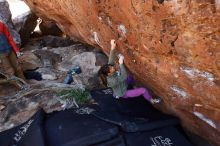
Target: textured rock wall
171,46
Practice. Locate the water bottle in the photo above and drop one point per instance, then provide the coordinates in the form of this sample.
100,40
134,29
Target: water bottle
68,79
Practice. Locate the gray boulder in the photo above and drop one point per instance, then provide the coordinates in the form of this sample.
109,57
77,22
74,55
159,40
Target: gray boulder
5,17
50,28
25,25
88,64
29,61
47,73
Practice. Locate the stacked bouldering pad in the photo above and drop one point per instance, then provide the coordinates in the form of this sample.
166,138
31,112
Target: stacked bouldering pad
110,122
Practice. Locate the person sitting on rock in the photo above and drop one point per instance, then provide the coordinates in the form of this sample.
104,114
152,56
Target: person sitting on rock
118,79
8,60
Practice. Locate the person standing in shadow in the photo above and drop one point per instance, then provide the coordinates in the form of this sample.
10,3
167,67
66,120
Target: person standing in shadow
9,52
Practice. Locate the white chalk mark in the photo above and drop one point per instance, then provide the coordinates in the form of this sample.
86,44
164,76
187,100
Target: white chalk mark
100,18
198,105
208,76
179,91
194,73
109,21
96,38
145,47
217,3
122,29
202,117
175,5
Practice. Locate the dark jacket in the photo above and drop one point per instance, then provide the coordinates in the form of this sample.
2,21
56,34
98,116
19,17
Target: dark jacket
6,40
118,80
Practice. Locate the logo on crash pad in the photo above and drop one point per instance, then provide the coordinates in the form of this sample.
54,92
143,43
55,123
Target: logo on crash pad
107,91
22,131
160,141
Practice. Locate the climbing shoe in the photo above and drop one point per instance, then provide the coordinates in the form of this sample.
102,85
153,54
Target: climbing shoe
155,100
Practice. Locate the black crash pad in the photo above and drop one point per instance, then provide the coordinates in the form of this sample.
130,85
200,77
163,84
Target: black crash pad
132,115
104,98
66,128
168,136
119,141
140,109
126,123
28,133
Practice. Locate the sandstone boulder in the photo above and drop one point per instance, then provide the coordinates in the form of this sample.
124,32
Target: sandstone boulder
47,73
48,57
29,61
22,105
56,41
88,60
87,63
50,28
25,25
171,46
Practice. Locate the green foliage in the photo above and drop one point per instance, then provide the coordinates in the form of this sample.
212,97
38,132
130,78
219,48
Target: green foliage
79,95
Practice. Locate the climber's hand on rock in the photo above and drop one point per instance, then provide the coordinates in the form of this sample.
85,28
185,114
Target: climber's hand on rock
121,59
113,44
120,56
